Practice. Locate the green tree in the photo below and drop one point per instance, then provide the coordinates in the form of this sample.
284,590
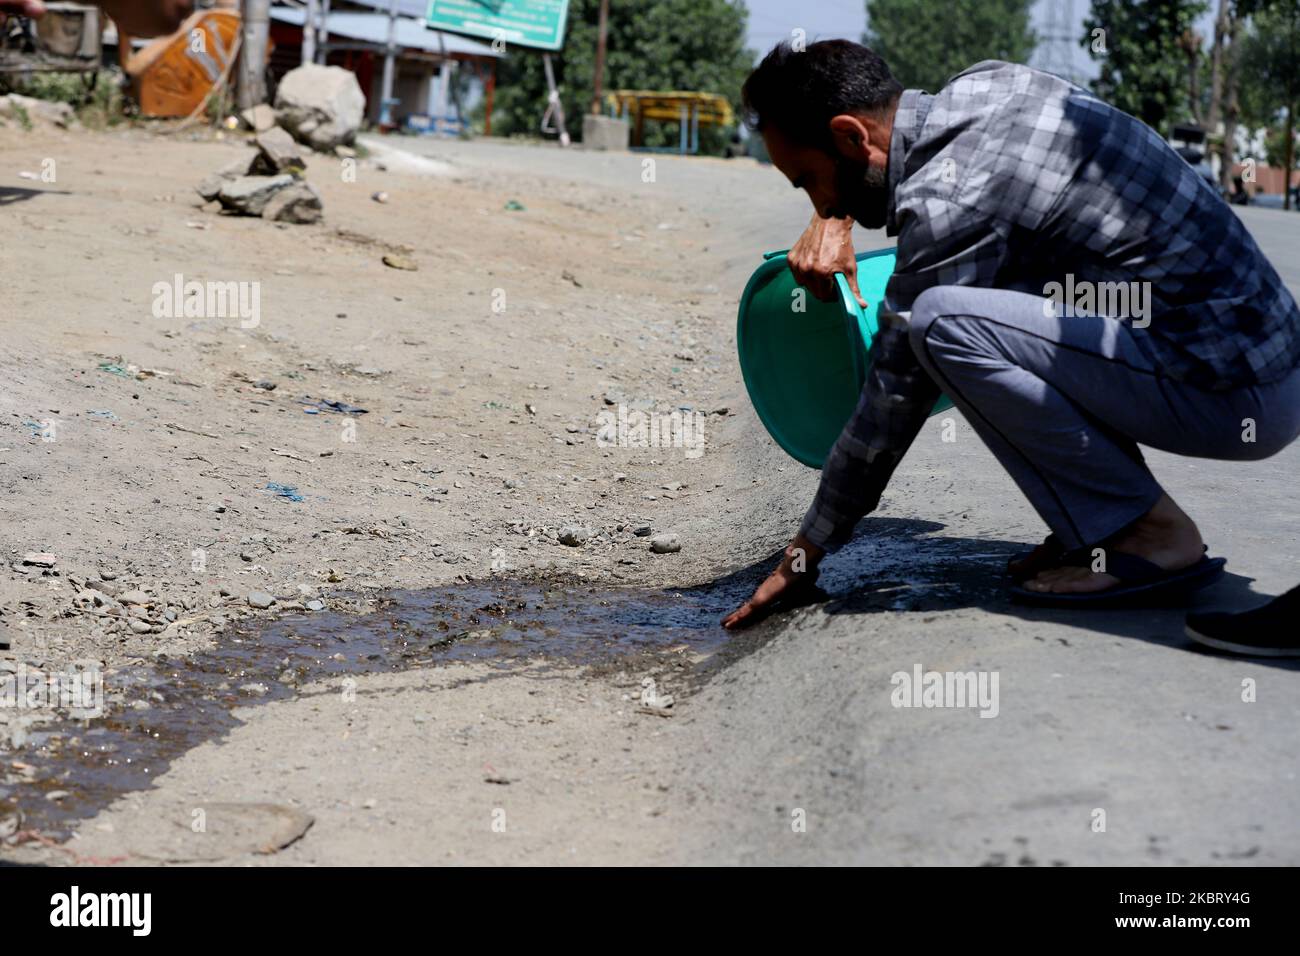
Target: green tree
1270,86
696,45
926,42
1139,44
1275,146
1215,80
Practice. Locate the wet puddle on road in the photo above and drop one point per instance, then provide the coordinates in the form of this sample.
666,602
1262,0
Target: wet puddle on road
70,770
156,712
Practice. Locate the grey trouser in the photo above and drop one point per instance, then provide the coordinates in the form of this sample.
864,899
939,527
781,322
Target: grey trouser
1063,402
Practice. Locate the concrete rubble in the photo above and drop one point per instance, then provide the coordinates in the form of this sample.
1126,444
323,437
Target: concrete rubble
266,183
322,106
259,118
26,109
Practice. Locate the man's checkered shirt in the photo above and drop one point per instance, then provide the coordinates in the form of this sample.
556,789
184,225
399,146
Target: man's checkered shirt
1010,178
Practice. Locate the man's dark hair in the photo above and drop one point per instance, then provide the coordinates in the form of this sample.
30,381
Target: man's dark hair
799,92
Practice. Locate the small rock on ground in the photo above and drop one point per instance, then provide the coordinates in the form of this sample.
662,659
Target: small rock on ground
665,544
299,203
260,599
573,535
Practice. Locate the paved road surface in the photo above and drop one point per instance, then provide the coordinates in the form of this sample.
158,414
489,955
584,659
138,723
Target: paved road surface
1108,712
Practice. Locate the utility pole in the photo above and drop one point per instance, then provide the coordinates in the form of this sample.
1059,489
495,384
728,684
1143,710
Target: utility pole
1058,42
598,82
554,105
322,41
309,32
390,63
1289,129
256,27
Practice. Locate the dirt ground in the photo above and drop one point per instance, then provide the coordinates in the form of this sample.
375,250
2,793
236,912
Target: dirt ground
478,452
479,443
142,452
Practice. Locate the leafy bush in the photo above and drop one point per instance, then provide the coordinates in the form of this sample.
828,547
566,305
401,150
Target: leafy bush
97,97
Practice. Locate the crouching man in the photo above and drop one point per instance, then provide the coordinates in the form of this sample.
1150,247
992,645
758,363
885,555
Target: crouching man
1007,188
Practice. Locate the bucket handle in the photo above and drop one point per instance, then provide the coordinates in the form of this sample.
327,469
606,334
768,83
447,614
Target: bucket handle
857,347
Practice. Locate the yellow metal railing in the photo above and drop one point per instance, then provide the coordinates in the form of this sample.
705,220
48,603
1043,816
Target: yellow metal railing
709,108
689,109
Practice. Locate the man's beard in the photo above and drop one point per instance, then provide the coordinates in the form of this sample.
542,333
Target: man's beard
863,193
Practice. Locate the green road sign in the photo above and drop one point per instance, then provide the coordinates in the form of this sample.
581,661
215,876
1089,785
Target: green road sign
531,23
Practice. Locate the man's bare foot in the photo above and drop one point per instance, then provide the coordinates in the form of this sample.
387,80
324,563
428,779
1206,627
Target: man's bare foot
1165,536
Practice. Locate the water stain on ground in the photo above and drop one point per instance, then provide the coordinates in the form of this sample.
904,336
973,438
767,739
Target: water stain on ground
69,770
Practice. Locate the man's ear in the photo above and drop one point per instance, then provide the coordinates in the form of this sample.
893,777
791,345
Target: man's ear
851,137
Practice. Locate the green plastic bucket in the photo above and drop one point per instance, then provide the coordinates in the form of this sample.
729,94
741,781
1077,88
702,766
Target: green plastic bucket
804,370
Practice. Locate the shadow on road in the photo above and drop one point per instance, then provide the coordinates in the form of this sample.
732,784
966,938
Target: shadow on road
13,194
905,565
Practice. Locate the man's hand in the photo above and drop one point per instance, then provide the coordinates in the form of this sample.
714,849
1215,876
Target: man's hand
825,248
796,572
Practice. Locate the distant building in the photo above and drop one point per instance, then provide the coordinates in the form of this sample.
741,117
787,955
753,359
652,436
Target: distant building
354,35
1267,179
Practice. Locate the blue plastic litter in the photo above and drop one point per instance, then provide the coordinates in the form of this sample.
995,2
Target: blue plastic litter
283,491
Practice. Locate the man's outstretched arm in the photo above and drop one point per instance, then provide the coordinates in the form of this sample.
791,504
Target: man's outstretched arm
898,394
894,403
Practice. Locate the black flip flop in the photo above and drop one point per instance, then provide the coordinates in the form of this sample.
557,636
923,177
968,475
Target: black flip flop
1140,582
